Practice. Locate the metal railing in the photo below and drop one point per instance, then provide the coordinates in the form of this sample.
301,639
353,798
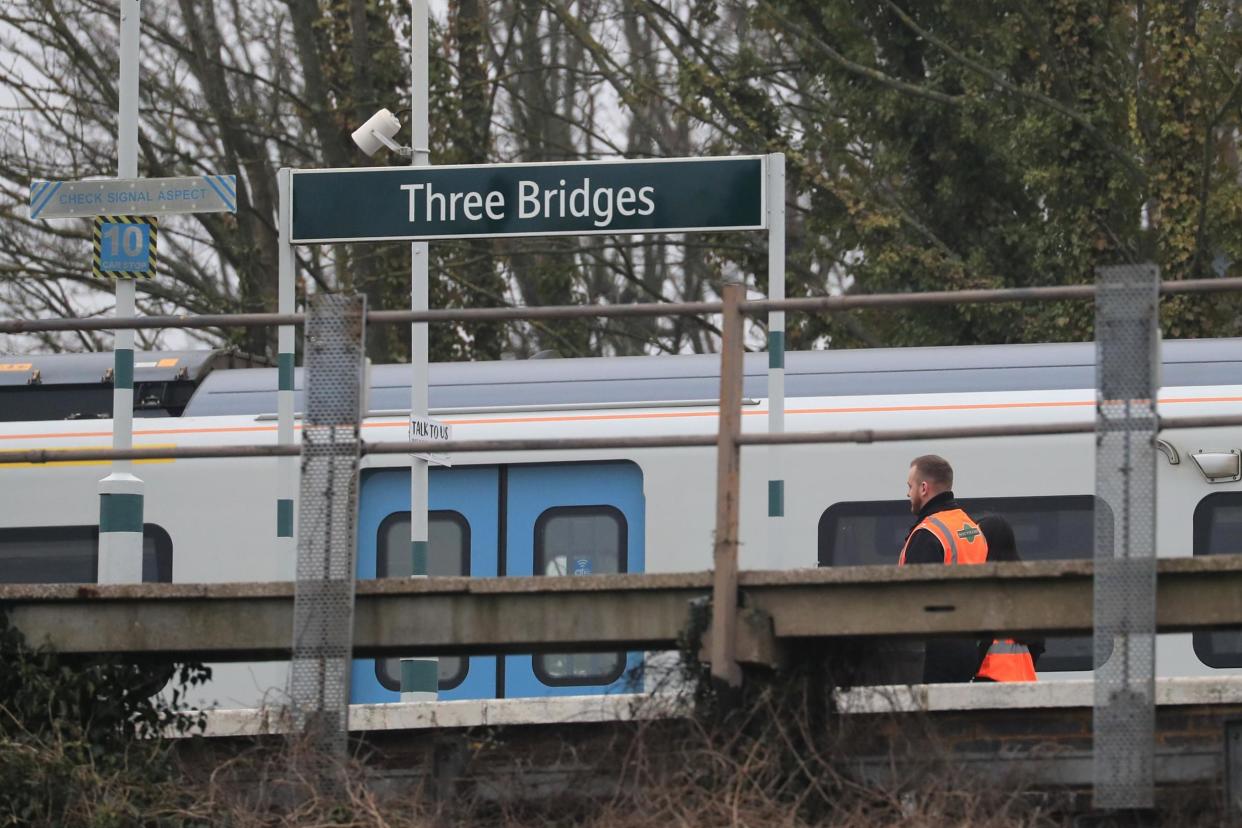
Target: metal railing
728,440
817,304
860,436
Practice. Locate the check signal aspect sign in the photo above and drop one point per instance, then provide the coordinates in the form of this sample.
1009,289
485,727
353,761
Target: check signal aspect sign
147,196
124,247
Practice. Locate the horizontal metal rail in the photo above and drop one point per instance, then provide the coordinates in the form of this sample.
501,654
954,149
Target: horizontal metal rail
862,436
468,616
818,304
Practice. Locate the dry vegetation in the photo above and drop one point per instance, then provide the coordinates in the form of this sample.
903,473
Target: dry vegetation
757,768
780,755
771,763
780,758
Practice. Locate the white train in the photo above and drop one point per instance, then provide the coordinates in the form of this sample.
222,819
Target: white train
565,512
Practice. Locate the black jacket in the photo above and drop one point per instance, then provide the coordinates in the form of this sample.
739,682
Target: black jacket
949,660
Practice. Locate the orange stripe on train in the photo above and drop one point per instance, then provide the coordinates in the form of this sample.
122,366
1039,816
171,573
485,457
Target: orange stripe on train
666,415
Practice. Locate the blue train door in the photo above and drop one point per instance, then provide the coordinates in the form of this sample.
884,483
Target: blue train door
464,505
564,520
560,520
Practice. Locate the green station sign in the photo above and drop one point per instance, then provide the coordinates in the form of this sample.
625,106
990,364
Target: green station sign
575,198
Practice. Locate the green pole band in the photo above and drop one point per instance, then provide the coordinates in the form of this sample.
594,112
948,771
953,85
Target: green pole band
418,555
776,349
776,498
123,369
419,675
120,513
284,368
284,518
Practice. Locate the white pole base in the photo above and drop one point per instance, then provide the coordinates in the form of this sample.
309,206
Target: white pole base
286,559
120,558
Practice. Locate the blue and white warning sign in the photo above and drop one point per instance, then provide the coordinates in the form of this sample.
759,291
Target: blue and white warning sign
152,196
124,247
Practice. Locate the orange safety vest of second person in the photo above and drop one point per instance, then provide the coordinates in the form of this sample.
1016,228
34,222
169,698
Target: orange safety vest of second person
1007,660
963,543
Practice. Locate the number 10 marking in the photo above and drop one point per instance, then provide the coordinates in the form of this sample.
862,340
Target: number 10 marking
124,240
124,246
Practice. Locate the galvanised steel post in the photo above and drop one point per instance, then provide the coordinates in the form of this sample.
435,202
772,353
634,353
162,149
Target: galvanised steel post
121,492
419,676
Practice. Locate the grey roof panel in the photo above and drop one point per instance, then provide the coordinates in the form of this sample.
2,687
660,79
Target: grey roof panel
696,377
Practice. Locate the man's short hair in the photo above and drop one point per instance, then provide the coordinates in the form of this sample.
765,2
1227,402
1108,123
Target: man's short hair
934,469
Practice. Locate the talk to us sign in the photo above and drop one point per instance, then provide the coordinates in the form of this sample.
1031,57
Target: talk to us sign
575,198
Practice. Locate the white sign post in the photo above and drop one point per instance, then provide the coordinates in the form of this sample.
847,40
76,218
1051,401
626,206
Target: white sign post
420,677
124,247
121,492
421,202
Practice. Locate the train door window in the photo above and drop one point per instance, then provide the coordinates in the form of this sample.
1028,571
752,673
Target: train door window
580,540
1046,528
448,536
70,555
1217,527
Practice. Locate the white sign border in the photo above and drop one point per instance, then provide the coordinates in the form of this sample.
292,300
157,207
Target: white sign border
763,199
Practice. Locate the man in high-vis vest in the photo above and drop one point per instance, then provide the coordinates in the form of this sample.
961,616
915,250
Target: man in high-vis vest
944,534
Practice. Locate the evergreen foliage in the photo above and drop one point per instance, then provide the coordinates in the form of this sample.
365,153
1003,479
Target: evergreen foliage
79,742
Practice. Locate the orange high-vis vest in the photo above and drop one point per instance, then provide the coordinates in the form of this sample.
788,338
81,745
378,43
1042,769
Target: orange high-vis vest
1007,660
961,538
963,543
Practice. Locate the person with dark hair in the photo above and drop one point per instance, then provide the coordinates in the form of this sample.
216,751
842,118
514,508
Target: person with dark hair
942,534
1005,659
1002,545
929,487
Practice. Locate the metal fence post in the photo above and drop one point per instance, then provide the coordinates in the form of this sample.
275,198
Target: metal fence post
728,493
323,609
1127,378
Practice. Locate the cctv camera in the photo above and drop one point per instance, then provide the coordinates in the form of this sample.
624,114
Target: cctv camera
378,132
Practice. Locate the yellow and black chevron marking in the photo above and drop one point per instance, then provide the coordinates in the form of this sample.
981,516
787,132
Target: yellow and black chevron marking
97,247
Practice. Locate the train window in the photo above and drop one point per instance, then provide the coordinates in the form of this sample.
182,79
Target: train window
1047,528
1217,524
448,535
70,555
580,540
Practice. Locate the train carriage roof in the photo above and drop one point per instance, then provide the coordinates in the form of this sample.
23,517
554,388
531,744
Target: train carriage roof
79,386
695,378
